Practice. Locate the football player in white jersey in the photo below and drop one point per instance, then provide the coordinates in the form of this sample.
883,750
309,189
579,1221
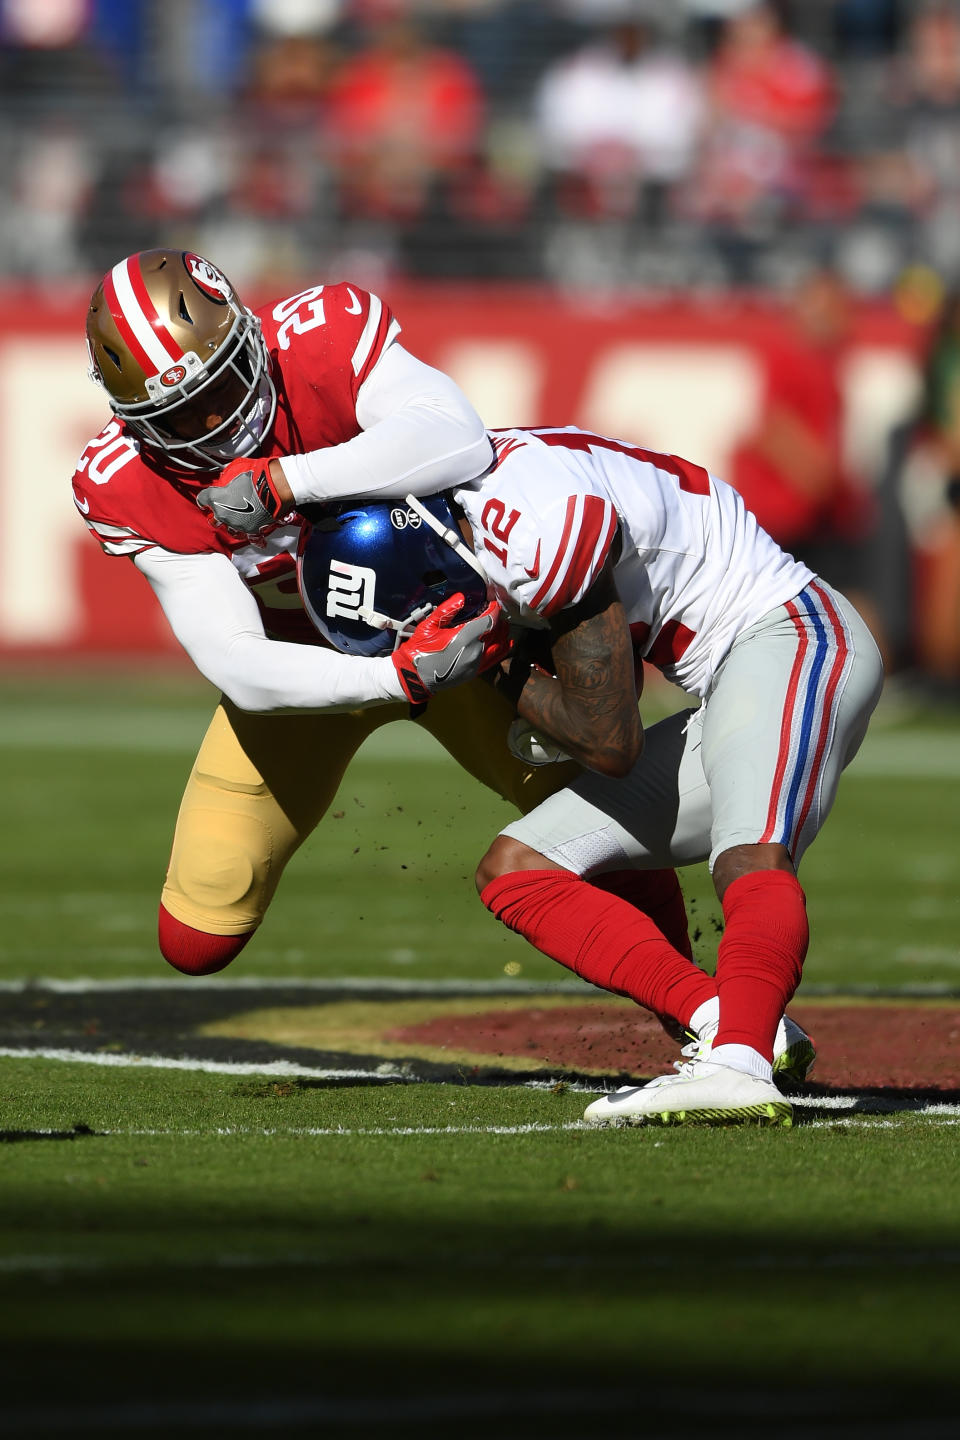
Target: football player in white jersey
605,555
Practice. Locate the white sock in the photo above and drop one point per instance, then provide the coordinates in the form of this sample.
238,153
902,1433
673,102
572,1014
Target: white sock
742,1057
706,1014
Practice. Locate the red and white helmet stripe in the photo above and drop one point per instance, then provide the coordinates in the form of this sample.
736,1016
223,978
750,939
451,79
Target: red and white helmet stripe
141,328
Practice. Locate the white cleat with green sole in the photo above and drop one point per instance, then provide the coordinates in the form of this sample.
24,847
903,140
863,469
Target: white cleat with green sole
793,1053
700,1093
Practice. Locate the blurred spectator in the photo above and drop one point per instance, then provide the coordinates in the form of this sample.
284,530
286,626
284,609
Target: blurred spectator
618,123
791,471
289,82
771,100
46,201
58,95
403,116
927,94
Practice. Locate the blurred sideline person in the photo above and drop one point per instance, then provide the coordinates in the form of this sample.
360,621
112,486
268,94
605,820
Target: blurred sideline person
603,555
924,462
791,471
195,380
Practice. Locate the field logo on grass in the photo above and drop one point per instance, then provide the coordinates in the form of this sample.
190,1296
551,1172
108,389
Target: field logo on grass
349,589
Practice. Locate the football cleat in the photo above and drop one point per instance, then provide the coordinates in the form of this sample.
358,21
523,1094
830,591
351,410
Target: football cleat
701,1093
793,1053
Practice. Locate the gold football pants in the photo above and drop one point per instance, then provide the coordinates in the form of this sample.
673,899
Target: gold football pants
261,784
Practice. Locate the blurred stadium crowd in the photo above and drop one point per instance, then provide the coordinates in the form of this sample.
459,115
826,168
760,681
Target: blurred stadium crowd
806,149
633,143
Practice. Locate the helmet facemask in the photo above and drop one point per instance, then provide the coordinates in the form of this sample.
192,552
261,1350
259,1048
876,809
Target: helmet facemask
239,391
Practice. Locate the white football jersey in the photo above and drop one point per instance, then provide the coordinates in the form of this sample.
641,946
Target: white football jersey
695,569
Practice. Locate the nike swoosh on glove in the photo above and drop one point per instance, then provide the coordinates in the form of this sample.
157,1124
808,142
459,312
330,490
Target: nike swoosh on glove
243,499
441,653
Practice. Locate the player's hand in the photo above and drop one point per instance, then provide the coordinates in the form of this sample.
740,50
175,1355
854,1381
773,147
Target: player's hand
244,498
441,652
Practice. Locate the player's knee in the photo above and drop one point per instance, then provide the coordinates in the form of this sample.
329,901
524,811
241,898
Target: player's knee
741,860
196,952
505,856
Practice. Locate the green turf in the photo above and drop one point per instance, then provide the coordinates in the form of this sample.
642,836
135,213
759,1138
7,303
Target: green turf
93,776
629,1250
209,1252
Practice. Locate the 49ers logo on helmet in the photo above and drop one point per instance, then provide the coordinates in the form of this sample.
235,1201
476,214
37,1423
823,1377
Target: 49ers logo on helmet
174,375
208,278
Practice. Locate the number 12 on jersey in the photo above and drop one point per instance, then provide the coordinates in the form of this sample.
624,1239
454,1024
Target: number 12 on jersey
498,523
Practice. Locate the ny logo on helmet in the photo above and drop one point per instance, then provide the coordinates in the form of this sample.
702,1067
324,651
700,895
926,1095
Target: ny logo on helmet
349,589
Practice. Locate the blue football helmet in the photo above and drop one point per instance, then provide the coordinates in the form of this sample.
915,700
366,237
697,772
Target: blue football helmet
370,571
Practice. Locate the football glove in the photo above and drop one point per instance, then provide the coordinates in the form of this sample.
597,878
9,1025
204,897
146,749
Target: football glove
441,652
243,499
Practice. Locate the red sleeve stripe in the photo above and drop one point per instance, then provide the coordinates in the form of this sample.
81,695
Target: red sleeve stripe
590,550
692,478
136,318
558,558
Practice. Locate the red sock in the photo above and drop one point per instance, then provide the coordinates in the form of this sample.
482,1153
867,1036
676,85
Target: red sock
600,937
760,956
196,952
657,893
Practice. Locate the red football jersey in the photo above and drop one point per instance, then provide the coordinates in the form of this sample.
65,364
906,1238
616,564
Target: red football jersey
323,342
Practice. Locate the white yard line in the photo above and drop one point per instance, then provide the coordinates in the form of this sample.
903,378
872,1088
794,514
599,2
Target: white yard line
392,985
324,986
212,1067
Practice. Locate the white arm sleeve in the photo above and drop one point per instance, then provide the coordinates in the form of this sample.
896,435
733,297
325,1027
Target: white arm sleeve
216,620
420,434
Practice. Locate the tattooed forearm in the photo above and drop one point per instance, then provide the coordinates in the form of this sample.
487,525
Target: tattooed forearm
590,708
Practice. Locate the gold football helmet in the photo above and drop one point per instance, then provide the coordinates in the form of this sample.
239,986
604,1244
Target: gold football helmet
183,362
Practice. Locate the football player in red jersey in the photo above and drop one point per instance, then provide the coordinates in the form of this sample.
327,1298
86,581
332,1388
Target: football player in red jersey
203,393
194,380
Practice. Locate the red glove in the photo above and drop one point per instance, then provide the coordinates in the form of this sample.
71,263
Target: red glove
244,498
441,652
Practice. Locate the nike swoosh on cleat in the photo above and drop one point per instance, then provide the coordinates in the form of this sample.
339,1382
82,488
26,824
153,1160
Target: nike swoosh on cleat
534,570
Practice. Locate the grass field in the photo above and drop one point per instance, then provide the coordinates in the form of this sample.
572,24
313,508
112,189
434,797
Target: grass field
210,1228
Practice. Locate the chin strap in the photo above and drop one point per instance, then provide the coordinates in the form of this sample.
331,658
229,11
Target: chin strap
403,629
449,537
